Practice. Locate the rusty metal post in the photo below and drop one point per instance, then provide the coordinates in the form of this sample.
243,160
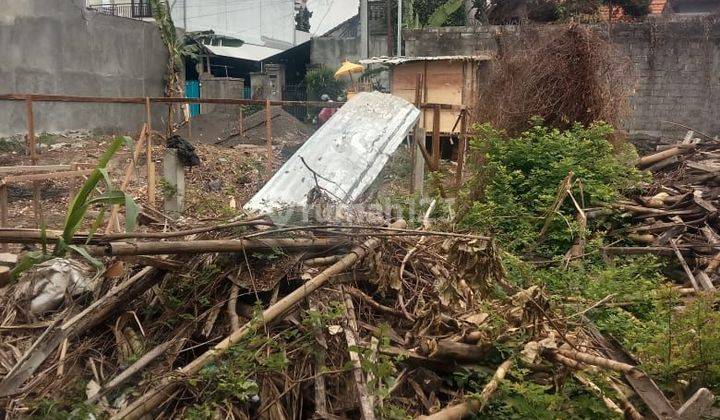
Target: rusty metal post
149,156
32,149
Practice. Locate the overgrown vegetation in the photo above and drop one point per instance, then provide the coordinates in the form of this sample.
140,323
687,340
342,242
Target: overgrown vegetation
512,195
500,12
517,178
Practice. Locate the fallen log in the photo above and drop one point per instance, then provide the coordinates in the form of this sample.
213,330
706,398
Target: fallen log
154,397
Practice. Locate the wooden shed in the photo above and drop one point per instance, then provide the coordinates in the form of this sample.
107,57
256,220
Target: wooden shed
448,80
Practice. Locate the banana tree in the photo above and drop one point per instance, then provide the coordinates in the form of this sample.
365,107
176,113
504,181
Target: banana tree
87,197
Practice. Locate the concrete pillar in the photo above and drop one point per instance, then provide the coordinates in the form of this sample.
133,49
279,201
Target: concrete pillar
174,183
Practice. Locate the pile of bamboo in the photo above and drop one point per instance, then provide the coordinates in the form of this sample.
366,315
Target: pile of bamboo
677,215
250,320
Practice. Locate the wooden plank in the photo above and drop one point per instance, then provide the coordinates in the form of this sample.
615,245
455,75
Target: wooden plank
268,135
462,148
33,168
436,137
418,169
149,159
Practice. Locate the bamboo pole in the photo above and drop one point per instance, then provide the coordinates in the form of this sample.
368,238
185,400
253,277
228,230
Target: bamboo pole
268,135
154,397
127,176
473,405
220,245
148,151
602,362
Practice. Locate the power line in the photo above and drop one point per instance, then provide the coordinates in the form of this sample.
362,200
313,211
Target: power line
323,18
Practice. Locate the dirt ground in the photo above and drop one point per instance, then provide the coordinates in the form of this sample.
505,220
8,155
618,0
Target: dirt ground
223,129
224,181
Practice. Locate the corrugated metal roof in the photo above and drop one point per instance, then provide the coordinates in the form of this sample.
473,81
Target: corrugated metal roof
400,60
347,153
246,51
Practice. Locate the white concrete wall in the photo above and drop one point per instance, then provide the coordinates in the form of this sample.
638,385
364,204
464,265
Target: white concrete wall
249,20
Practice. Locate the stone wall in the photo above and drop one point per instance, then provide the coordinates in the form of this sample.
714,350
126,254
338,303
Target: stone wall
332,51
676,68
60,47
212,87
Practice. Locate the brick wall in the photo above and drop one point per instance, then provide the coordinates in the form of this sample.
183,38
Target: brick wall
676,68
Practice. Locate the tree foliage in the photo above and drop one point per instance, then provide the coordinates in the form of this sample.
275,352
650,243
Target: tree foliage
321,80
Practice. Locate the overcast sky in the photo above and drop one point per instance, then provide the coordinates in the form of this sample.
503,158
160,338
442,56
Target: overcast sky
329,13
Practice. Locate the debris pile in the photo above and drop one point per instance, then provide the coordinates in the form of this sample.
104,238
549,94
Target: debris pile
676,215
327,321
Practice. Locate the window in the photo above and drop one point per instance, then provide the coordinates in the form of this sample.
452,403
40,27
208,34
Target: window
141,9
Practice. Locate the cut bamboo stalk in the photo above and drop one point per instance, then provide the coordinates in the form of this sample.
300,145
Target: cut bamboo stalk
602,362
154,397
473,405
365,399
610,404
34,168
685,266
646,161
127,176
133,369
221,245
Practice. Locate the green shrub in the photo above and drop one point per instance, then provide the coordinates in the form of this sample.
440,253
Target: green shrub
517,178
